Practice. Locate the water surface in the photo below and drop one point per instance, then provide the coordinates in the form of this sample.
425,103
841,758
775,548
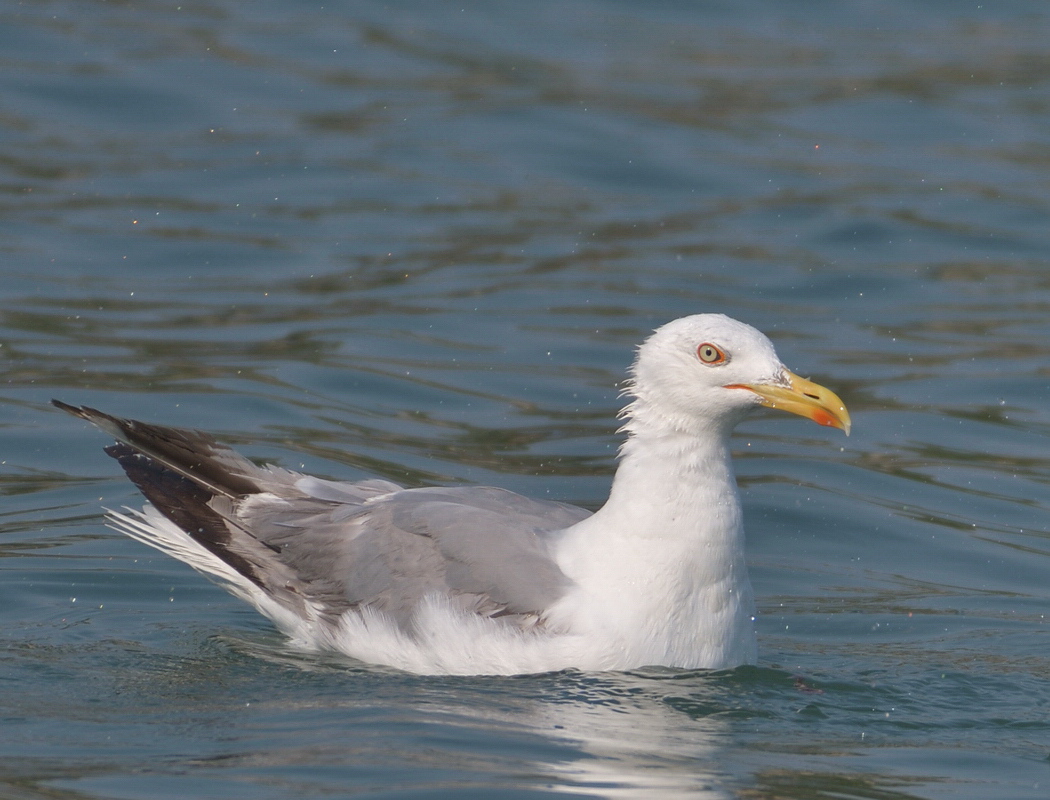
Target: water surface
420,241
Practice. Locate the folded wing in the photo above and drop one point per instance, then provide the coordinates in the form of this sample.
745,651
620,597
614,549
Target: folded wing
319,548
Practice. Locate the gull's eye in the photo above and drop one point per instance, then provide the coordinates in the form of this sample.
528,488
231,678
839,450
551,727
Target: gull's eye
710,354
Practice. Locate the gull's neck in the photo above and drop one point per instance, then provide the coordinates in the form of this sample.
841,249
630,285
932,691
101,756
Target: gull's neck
675,481
670,481
660,566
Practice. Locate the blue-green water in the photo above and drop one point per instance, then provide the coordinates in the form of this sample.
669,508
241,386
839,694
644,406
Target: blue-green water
420,240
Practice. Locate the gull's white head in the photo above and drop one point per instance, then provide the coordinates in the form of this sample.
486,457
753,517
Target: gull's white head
705,372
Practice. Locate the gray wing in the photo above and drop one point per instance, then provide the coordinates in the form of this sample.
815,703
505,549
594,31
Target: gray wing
343,546
485,549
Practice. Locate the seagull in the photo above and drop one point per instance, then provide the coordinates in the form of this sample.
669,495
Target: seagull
474,580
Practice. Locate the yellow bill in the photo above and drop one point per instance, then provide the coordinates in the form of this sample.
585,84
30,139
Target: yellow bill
805,398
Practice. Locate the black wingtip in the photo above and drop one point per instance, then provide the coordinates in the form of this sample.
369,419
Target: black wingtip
74,410
115,426
189,453
84,412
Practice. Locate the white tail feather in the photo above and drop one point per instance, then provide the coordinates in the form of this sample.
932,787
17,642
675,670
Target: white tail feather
152,528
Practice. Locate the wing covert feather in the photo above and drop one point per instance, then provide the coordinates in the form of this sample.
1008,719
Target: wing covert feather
488,549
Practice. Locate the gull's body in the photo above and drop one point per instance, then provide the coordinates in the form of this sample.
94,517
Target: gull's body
473,580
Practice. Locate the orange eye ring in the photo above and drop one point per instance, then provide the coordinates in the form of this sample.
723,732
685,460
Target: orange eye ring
710,354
